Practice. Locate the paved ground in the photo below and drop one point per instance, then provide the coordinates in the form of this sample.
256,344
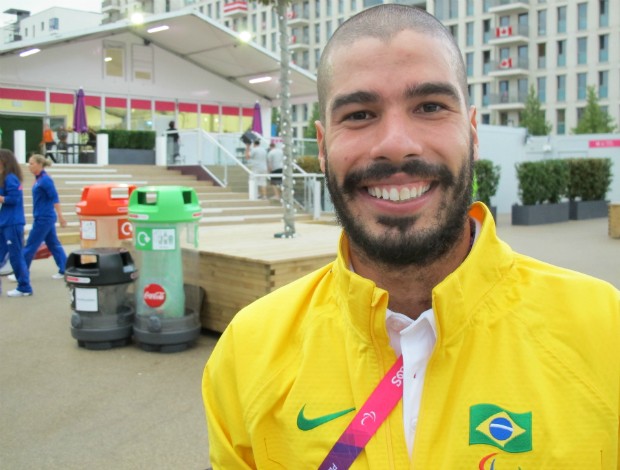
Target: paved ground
65,407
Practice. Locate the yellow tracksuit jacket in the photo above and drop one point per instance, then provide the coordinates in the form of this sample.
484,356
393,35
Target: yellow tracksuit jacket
525,373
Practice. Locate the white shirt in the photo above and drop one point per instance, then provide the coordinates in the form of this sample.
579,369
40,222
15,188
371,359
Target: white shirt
415,340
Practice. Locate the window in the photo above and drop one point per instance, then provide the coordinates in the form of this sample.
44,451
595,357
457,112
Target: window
486,62
561,19
454,9
42,25
561,88
582,50
522,54
486,31
142,62
317,8
582,83
54,24
522,87
114,59
603,48
542,23
560,117
470,7
317,33
370,3
486,4
469,34
580,112
603,19
541,85
582,16
340,7
486,119
504,91
353,5
603,84
561,53
485,94
542,55
469,62
454,30
470,93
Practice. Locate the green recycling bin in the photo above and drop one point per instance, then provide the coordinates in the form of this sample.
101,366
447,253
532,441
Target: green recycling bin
165,233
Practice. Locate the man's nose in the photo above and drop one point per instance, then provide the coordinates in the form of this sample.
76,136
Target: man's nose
396,137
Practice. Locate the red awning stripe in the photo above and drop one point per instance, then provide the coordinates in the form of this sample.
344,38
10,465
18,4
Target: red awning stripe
115,102
16,94
209,109
248,112
140,104
230,110
188,108
63,98
164,105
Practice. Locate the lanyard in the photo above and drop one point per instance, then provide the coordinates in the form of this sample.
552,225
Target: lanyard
367,420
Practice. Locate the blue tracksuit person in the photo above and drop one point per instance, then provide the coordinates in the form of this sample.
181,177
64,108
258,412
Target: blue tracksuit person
46,210
12,221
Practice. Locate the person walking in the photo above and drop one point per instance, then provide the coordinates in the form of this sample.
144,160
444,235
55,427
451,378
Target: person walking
275,159
257,161
428,342
46,211
12,221
48,142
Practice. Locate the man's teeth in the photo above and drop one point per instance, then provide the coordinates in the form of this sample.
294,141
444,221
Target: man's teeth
395,194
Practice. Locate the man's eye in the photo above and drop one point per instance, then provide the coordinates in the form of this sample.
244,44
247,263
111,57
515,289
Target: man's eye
430,108
357,116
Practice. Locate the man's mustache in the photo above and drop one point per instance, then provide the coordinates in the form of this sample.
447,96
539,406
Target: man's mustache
412,167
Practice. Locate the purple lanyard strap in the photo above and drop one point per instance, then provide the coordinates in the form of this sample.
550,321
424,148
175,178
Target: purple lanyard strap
367,420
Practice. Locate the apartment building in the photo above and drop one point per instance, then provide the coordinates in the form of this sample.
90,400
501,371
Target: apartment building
560,47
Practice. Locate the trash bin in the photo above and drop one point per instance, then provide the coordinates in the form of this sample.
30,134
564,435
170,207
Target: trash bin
98,279
165,226
102,211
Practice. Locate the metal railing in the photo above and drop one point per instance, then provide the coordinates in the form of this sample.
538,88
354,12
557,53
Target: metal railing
218,153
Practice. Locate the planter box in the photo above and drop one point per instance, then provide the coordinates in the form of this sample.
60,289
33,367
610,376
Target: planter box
539,214
614,220
131,157
581,210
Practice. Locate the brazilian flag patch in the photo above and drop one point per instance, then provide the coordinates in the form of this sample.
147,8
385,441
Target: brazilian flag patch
493,425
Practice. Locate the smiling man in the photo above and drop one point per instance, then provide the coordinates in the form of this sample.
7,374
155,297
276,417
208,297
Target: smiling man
428,342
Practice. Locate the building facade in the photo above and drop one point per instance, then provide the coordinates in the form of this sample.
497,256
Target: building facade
558,47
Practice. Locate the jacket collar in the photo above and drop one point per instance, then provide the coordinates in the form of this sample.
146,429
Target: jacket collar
454,300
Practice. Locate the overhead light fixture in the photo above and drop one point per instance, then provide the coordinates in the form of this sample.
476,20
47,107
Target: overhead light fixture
157,29
108,59
259,80
245,36
29,52
137,18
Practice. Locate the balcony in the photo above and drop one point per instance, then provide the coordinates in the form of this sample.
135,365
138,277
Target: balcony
509,6
236,9
109,5
507,101
298,43
508,35
295,19
509,67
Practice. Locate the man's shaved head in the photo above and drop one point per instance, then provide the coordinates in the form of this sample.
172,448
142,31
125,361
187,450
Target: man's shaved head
383,22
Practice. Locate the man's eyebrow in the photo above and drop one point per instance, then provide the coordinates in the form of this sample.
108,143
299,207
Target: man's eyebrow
432,88
357,97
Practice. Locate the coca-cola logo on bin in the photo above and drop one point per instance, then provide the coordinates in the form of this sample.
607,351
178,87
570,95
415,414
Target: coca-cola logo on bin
154,295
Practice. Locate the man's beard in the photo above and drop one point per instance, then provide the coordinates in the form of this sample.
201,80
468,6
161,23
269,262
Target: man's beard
399,245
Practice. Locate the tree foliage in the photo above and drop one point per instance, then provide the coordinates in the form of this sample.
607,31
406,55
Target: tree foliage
310,132
533,116
594,119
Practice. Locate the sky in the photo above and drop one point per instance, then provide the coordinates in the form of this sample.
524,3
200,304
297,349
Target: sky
35,6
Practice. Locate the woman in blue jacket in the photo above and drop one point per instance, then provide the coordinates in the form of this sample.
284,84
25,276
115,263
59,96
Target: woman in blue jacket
46,210
12,221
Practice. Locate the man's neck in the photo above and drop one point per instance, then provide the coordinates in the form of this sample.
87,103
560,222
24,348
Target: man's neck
410,287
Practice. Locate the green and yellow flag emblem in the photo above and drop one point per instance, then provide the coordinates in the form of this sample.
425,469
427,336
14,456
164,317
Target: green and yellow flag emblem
493,425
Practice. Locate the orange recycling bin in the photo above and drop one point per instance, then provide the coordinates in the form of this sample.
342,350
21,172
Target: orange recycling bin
102,211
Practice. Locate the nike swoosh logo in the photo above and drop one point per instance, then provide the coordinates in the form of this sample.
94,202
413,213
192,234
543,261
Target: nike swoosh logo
306,424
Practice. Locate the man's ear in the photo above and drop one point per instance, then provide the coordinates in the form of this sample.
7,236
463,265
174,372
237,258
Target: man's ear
320,138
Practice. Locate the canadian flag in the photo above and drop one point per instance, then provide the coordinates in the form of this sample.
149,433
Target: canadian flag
505,63
503,31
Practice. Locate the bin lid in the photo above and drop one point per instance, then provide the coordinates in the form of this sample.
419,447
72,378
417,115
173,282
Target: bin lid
100,267
105,199
167,204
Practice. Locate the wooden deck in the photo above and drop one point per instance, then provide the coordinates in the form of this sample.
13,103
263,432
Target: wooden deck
240,263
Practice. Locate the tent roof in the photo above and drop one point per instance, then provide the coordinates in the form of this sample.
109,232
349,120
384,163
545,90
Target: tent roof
201,41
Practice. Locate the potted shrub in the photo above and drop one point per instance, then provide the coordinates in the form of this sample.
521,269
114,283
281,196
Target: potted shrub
130,147
542,185
487,177
588,184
